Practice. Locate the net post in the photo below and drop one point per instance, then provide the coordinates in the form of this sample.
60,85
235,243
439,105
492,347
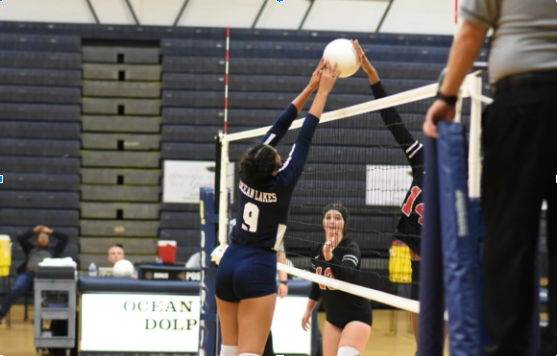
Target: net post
218,154
474,159
223,191
208,319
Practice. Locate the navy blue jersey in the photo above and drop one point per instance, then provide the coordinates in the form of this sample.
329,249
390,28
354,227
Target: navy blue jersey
411,219
263,209
345,266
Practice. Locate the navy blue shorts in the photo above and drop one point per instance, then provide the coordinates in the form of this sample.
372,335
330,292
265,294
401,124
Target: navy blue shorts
246,272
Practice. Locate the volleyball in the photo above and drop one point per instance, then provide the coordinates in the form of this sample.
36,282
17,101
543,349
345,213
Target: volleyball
342,52
123,268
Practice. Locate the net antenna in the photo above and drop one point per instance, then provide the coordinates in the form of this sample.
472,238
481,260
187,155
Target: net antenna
471,88
222,144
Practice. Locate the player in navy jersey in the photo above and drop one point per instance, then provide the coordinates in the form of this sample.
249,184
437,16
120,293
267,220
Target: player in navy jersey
348,317
411,218
246,287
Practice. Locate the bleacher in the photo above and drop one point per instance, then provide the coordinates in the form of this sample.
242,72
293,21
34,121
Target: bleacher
54,126
40,79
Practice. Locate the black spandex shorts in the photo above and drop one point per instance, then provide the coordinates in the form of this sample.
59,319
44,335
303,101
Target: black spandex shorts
341,323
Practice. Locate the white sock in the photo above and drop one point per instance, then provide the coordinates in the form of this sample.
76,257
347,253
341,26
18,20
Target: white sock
347,351
228,350
248,354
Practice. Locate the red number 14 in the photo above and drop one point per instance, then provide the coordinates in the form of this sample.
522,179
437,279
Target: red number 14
407,206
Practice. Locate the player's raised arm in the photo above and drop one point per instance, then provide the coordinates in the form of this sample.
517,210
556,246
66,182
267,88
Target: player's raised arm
390,116
344,266
281,126
292,168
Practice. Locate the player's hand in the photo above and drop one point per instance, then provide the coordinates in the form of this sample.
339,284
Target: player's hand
364,62
328,77
328,248
316,76
438,111
47,230
306,324
282,290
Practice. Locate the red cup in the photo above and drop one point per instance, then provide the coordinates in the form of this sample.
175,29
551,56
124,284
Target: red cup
166,250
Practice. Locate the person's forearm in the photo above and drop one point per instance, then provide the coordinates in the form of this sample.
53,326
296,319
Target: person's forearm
464,52
373,76
301,99
318,104
311,305
281,257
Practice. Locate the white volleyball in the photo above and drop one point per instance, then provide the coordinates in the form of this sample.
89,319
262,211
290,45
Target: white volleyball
123,268
342,52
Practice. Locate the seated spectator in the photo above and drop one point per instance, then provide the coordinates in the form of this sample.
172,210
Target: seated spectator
115,254
34,254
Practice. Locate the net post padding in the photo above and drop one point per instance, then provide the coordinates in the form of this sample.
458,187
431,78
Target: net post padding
368,293
460,246
430,337
451,236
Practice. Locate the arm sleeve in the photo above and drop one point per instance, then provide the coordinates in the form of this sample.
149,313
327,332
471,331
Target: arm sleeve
481,12
314,293
345,266
281,126
411,147
60,244
23,240
292,168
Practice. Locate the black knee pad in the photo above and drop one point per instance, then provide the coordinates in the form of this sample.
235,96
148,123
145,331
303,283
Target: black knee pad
415,288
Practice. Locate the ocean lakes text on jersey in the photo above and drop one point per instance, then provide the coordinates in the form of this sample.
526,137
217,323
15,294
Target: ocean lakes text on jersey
257,195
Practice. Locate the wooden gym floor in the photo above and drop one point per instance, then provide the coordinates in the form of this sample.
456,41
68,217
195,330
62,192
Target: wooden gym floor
391,334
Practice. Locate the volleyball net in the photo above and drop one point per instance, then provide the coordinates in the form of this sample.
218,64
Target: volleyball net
356,160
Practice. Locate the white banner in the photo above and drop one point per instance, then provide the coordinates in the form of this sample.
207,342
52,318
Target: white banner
182,180
387,185
170,323
139,322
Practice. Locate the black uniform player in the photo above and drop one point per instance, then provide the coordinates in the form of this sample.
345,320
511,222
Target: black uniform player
348,317
410,224
411,220
246,276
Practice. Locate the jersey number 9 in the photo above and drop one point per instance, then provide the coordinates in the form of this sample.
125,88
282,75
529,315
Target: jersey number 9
251,216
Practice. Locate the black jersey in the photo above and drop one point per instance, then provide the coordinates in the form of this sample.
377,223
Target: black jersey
411,220
263,209
344,266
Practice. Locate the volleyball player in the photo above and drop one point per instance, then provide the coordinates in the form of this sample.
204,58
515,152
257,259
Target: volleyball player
246,285
410,223
348,317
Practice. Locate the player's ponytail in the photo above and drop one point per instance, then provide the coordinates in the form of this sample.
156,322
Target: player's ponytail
258,164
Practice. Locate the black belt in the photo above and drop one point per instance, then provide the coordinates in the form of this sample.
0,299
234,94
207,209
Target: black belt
525,80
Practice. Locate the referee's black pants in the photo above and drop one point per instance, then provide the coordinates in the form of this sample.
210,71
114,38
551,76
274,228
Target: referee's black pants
519,172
